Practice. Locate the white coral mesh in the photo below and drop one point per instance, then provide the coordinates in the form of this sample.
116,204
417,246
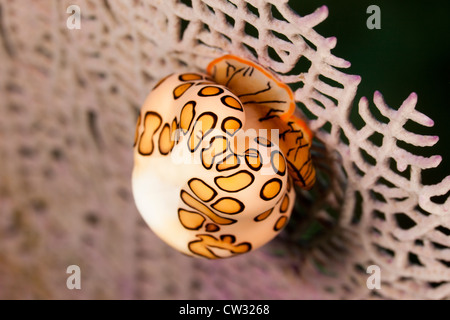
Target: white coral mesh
69,100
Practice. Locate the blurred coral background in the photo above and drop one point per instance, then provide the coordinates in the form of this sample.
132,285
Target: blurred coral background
69,100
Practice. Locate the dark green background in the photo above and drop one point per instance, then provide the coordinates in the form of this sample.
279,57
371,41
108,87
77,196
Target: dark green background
410,53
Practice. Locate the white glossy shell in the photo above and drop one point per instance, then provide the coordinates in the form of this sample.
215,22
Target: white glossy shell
210,178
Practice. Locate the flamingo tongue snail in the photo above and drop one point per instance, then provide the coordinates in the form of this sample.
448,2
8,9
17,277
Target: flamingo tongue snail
216,156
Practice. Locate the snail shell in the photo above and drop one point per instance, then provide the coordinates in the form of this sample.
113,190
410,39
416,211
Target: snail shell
216,157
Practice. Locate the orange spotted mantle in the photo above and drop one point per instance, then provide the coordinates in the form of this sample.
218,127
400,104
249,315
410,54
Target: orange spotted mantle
216,156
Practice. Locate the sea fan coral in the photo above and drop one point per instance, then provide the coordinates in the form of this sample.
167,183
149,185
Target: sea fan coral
70,99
